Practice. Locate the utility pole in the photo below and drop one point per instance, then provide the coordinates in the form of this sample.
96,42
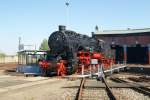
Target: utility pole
19,43
67,12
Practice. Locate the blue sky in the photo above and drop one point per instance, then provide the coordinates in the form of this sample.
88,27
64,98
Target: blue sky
34,20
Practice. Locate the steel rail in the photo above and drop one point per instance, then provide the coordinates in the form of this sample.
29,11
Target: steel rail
109,91
79,93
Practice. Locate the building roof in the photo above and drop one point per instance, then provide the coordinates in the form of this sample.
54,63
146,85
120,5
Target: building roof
128,31
35,52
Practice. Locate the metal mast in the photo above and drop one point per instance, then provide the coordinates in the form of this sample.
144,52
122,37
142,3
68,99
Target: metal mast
67,12
19,43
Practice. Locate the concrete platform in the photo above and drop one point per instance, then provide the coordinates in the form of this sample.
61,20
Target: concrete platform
8,82
35,88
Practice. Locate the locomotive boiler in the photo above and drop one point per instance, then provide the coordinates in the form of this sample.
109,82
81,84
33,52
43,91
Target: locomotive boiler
65,45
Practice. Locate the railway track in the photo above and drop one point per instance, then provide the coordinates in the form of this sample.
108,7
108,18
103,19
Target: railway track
139,88
107,92
140,79
115,87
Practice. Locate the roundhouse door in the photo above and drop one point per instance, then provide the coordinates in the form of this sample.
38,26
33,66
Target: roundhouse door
137,55
119,54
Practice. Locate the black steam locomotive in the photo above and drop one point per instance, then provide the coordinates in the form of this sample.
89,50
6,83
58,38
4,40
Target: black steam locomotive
64,44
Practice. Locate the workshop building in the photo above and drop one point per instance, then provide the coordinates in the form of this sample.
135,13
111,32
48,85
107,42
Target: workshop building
130,46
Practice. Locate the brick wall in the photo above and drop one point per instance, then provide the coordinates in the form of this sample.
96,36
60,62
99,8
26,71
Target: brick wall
126,39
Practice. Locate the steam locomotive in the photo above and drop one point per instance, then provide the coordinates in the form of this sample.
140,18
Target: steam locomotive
65,48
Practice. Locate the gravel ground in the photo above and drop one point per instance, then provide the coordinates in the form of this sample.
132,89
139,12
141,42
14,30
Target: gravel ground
129,94
57,90
94,94
8,66
70,93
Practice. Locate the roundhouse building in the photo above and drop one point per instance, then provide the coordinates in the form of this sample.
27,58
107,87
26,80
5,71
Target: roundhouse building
131,45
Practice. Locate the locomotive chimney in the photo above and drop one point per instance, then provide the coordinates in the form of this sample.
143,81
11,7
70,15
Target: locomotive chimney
62,28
